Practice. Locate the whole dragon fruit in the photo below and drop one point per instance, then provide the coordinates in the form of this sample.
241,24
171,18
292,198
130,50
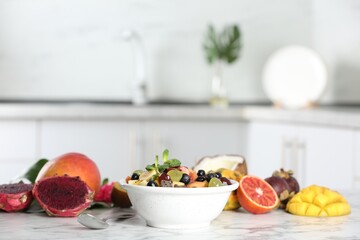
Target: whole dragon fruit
15,196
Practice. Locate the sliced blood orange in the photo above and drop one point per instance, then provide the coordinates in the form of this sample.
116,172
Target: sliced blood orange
256,195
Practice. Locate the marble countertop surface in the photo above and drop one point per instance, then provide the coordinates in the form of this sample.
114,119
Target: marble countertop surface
328,116
229,225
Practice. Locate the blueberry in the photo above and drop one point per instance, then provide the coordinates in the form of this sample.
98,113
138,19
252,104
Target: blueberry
135,176
210,176
185,178
152,184
201,172
200,179
218,175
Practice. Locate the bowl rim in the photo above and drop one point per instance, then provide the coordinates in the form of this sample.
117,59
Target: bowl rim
181,190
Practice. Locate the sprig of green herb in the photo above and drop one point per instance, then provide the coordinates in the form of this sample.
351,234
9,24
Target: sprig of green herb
167,163
223,46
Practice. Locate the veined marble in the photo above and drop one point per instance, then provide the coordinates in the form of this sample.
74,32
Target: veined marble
229,225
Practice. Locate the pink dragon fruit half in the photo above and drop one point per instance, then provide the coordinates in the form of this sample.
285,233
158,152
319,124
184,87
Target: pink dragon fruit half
15,197
63,196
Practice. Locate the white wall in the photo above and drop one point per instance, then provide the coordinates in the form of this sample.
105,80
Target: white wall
336,36
72,49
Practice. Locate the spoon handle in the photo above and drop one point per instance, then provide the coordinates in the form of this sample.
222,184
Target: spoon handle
119,213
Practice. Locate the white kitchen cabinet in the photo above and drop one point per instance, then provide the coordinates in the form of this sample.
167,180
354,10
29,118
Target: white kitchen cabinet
318,155
267,147
188,141
120,147
111,144
18,148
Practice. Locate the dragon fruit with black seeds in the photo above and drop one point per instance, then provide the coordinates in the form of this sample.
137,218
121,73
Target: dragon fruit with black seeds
63,196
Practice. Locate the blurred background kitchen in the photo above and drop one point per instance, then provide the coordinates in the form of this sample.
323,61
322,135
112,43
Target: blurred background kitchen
82,57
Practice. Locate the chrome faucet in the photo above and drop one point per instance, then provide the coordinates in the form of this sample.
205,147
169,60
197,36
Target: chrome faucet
139,86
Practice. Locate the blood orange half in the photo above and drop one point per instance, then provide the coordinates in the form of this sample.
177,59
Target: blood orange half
256,195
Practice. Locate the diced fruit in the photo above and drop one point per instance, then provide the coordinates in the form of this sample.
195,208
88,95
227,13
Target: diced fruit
318,201
147,175
15,197
198,184
120,197
164,176
256,195
215,182
175,175
165,183
178,184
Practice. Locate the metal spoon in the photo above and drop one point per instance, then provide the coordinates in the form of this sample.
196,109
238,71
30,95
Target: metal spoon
90,221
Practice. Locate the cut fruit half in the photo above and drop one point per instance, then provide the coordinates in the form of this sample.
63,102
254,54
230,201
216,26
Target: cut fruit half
120,197
256,195
235,163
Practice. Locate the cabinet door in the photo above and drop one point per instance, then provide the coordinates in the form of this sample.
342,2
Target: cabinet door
328,157
112,145
318,155
192,140
269,145
18,148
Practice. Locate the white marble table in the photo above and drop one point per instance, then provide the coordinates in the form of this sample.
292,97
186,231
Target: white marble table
229,225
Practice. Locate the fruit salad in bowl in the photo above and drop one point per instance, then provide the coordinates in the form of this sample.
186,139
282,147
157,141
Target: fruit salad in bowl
170,195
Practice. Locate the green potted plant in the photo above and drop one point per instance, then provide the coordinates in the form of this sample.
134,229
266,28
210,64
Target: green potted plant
220,48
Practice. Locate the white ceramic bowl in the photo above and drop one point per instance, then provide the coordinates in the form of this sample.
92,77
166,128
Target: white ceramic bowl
178,208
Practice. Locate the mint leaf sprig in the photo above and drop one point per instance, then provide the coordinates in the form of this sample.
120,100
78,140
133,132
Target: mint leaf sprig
167,163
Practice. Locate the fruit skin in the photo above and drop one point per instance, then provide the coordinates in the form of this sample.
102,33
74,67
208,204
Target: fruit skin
236,163
281,188
75,193
288,176
250,205
74,165
232,202
104,194
15,197
318,201
120,197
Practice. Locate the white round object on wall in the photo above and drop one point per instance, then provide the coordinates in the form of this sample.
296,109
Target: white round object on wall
294,77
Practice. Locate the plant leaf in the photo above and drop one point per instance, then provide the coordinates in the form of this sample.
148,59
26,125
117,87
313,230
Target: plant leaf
174,163
34,170
165,155
150,167
105,181
224,46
